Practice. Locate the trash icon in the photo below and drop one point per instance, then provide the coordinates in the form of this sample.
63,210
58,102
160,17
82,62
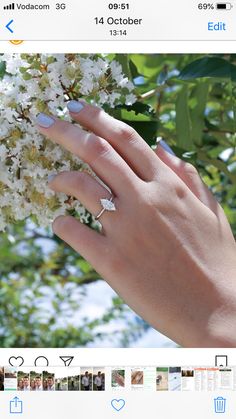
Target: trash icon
220,405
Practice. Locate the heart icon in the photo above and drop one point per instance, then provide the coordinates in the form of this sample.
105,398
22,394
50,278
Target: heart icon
16,361
118,405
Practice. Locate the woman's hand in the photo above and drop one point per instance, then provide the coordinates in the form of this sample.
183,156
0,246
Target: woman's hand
167,250
118,379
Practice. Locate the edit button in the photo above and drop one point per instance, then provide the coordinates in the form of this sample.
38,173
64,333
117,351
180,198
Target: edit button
217,26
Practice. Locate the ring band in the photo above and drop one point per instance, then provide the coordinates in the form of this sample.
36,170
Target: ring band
107,205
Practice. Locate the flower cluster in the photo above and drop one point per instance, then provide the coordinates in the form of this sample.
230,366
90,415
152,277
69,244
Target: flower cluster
33,83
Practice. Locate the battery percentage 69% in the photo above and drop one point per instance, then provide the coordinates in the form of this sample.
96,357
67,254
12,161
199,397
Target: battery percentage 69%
206,6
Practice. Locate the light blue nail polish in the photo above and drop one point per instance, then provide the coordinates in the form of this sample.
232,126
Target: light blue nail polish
166,147
45,121
50,178
74,106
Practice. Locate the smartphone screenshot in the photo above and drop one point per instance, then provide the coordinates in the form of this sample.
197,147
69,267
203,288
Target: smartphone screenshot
117,209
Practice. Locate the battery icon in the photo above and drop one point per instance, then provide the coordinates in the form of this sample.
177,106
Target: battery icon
224,6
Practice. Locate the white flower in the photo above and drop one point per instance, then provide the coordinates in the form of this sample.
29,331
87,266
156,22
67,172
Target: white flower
3,152
36,83
130,99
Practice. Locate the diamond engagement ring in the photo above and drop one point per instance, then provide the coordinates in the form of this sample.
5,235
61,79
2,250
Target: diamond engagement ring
107,205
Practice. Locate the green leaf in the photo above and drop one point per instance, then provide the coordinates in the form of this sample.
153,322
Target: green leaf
27,76
144,123
147,130
209,67
134,71
200,94
2,69
140,109
183,121
123,59
148,65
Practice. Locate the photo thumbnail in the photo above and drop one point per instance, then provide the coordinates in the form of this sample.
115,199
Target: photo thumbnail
1,378
61,379
23,380
86,379
137,377
99,379
48,380
10,378
118,378
36,379
73,378
162,383
174,379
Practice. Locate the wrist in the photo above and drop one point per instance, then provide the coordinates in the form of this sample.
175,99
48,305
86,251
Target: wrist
211,321
221,325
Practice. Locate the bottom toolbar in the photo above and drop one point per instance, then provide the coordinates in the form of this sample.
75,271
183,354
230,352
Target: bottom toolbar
107,406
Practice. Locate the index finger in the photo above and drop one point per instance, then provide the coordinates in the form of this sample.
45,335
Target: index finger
94,150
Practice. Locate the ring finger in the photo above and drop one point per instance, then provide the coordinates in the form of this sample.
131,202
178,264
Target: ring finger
85,188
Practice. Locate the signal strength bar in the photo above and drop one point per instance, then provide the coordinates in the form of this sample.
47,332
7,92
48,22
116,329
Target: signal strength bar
10,6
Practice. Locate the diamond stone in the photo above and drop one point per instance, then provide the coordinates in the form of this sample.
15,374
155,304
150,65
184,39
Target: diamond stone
107,205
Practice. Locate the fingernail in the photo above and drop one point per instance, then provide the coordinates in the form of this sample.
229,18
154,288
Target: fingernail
50,178
74,106
166,147
45,121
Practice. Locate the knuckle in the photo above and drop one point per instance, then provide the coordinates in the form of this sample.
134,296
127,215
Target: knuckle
96,146
81,180
181,191
190,170
78,180
148,198
65,129
65,180
93,112
126,132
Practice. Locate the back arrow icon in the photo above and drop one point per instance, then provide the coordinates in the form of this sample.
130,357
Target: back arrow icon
9,24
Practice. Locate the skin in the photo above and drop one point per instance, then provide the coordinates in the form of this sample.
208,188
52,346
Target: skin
26,382
38,382
118,379
20,385
137,378
168,250
33,384
50,382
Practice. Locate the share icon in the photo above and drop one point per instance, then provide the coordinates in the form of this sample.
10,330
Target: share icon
67,360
